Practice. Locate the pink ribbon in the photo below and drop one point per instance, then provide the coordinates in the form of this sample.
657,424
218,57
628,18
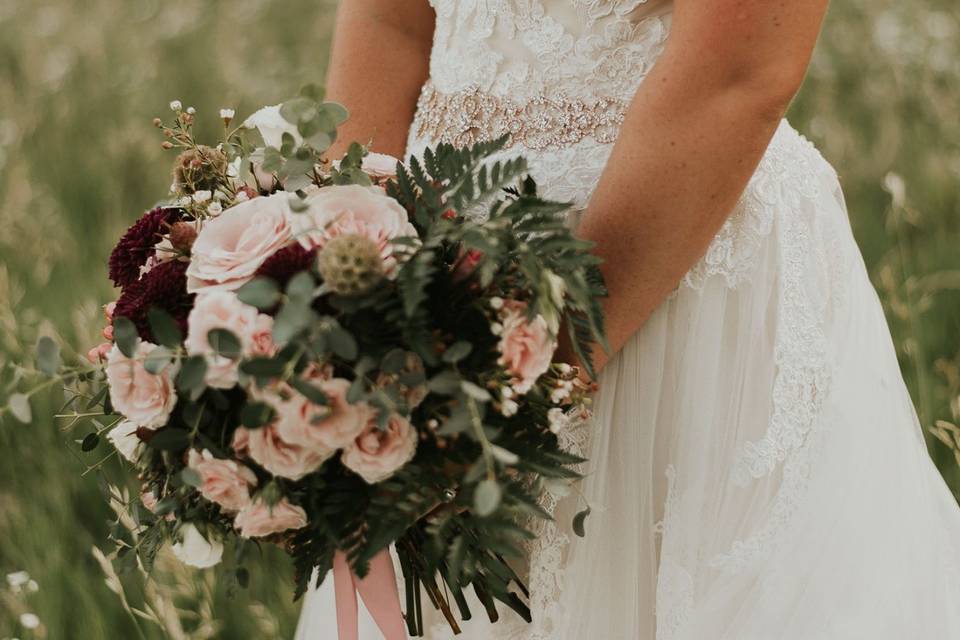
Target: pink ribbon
379,592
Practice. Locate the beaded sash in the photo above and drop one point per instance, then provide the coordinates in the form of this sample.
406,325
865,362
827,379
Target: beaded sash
469,116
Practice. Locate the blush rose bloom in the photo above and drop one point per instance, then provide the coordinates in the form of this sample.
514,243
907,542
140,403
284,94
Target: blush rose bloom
223,310
354,210
230,248
259,519
323,428
279,457
223,481
526,347
144,398
376,454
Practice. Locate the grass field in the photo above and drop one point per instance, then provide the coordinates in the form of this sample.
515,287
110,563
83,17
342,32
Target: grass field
79,83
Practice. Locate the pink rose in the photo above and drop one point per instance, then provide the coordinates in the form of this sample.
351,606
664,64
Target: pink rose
258,519
377,453
222,481
230,248
108,310
279,457
261,338
144,398
355,210
223,310
526,347
149,500
322,427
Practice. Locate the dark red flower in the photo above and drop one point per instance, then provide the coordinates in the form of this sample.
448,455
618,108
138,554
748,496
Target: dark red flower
163,287
136,245
286,263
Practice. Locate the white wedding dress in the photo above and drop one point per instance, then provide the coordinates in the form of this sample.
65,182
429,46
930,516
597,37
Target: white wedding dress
756,468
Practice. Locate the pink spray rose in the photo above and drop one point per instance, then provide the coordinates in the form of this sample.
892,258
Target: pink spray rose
355,210
223,310
322,428
230,248
99,353
281,458
223,481
144,398
258,519
376,454
526,347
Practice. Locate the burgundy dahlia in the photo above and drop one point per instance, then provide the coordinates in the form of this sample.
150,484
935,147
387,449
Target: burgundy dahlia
163,287
286,263
137,244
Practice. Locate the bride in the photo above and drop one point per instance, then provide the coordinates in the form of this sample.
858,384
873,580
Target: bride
756,469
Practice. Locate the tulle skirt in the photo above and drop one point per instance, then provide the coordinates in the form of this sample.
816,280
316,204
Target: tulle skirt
756,468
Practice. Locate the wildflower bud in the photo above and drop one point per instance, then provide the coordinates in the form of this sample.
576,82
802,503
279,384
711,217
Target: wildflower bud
227,116
199,169
191,111
182,235
157,122
449,214
496,303
350,264
176,105
166,144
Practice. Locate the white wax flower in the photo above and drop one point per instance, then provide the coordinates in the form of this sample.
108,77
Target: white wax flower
176,105
197,551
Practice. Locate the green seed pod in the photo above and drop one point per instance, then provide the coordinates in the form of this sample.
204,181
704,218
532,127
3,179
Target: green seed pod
350,265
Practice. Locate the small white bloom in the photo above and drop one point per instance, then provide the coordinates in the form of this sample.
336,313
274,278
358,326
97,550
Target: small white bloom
496,328
173,187
556,418
29,620
432,423
227,114
565,368
33,587
242,196
197,551
567,385
124,439
233,169
496,303
509,408
506,392
559,395
215,209
18,579
202,196
176,105
191,110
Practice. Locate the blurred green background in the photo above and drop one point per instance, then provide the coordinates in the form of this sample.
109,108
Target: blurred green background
79,83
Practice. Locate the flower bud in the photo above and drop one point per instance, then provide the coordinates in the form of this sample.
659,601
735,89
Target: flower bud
199,169
157,122
182,235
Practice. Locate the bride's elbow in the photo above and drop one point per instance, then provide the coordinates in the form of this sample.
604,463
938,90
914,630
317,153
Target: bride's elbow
766,90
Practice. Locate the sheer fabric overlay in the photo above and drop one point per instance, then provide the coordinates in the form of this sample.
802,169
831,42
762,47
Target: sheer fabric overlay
756,468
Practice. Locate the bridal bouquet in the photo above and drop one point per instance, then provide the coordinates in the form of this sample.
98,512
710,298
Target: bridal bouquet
332,357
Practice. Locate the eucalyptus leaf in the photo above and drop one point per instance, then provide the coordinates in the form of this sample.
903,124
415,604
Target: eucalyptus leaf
190,379
476,392
446,383
262,293
263,367
48,356
309,391
342,343
125,336
256,414
225,343
578,522
191,477
166,331
457,352
170,439
158,360
487,497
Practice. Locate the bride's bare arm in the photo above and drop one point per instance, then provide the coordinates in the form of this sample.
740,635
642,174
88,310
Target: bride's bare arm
692,137
380,59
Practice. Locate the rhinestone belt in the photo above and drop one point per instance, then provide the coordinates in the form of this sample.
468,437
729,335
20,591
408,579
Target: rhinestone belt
469,116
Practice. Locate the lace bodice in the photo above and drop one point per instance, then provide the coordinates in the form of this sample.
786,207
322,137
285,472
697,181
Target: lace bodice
527,48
